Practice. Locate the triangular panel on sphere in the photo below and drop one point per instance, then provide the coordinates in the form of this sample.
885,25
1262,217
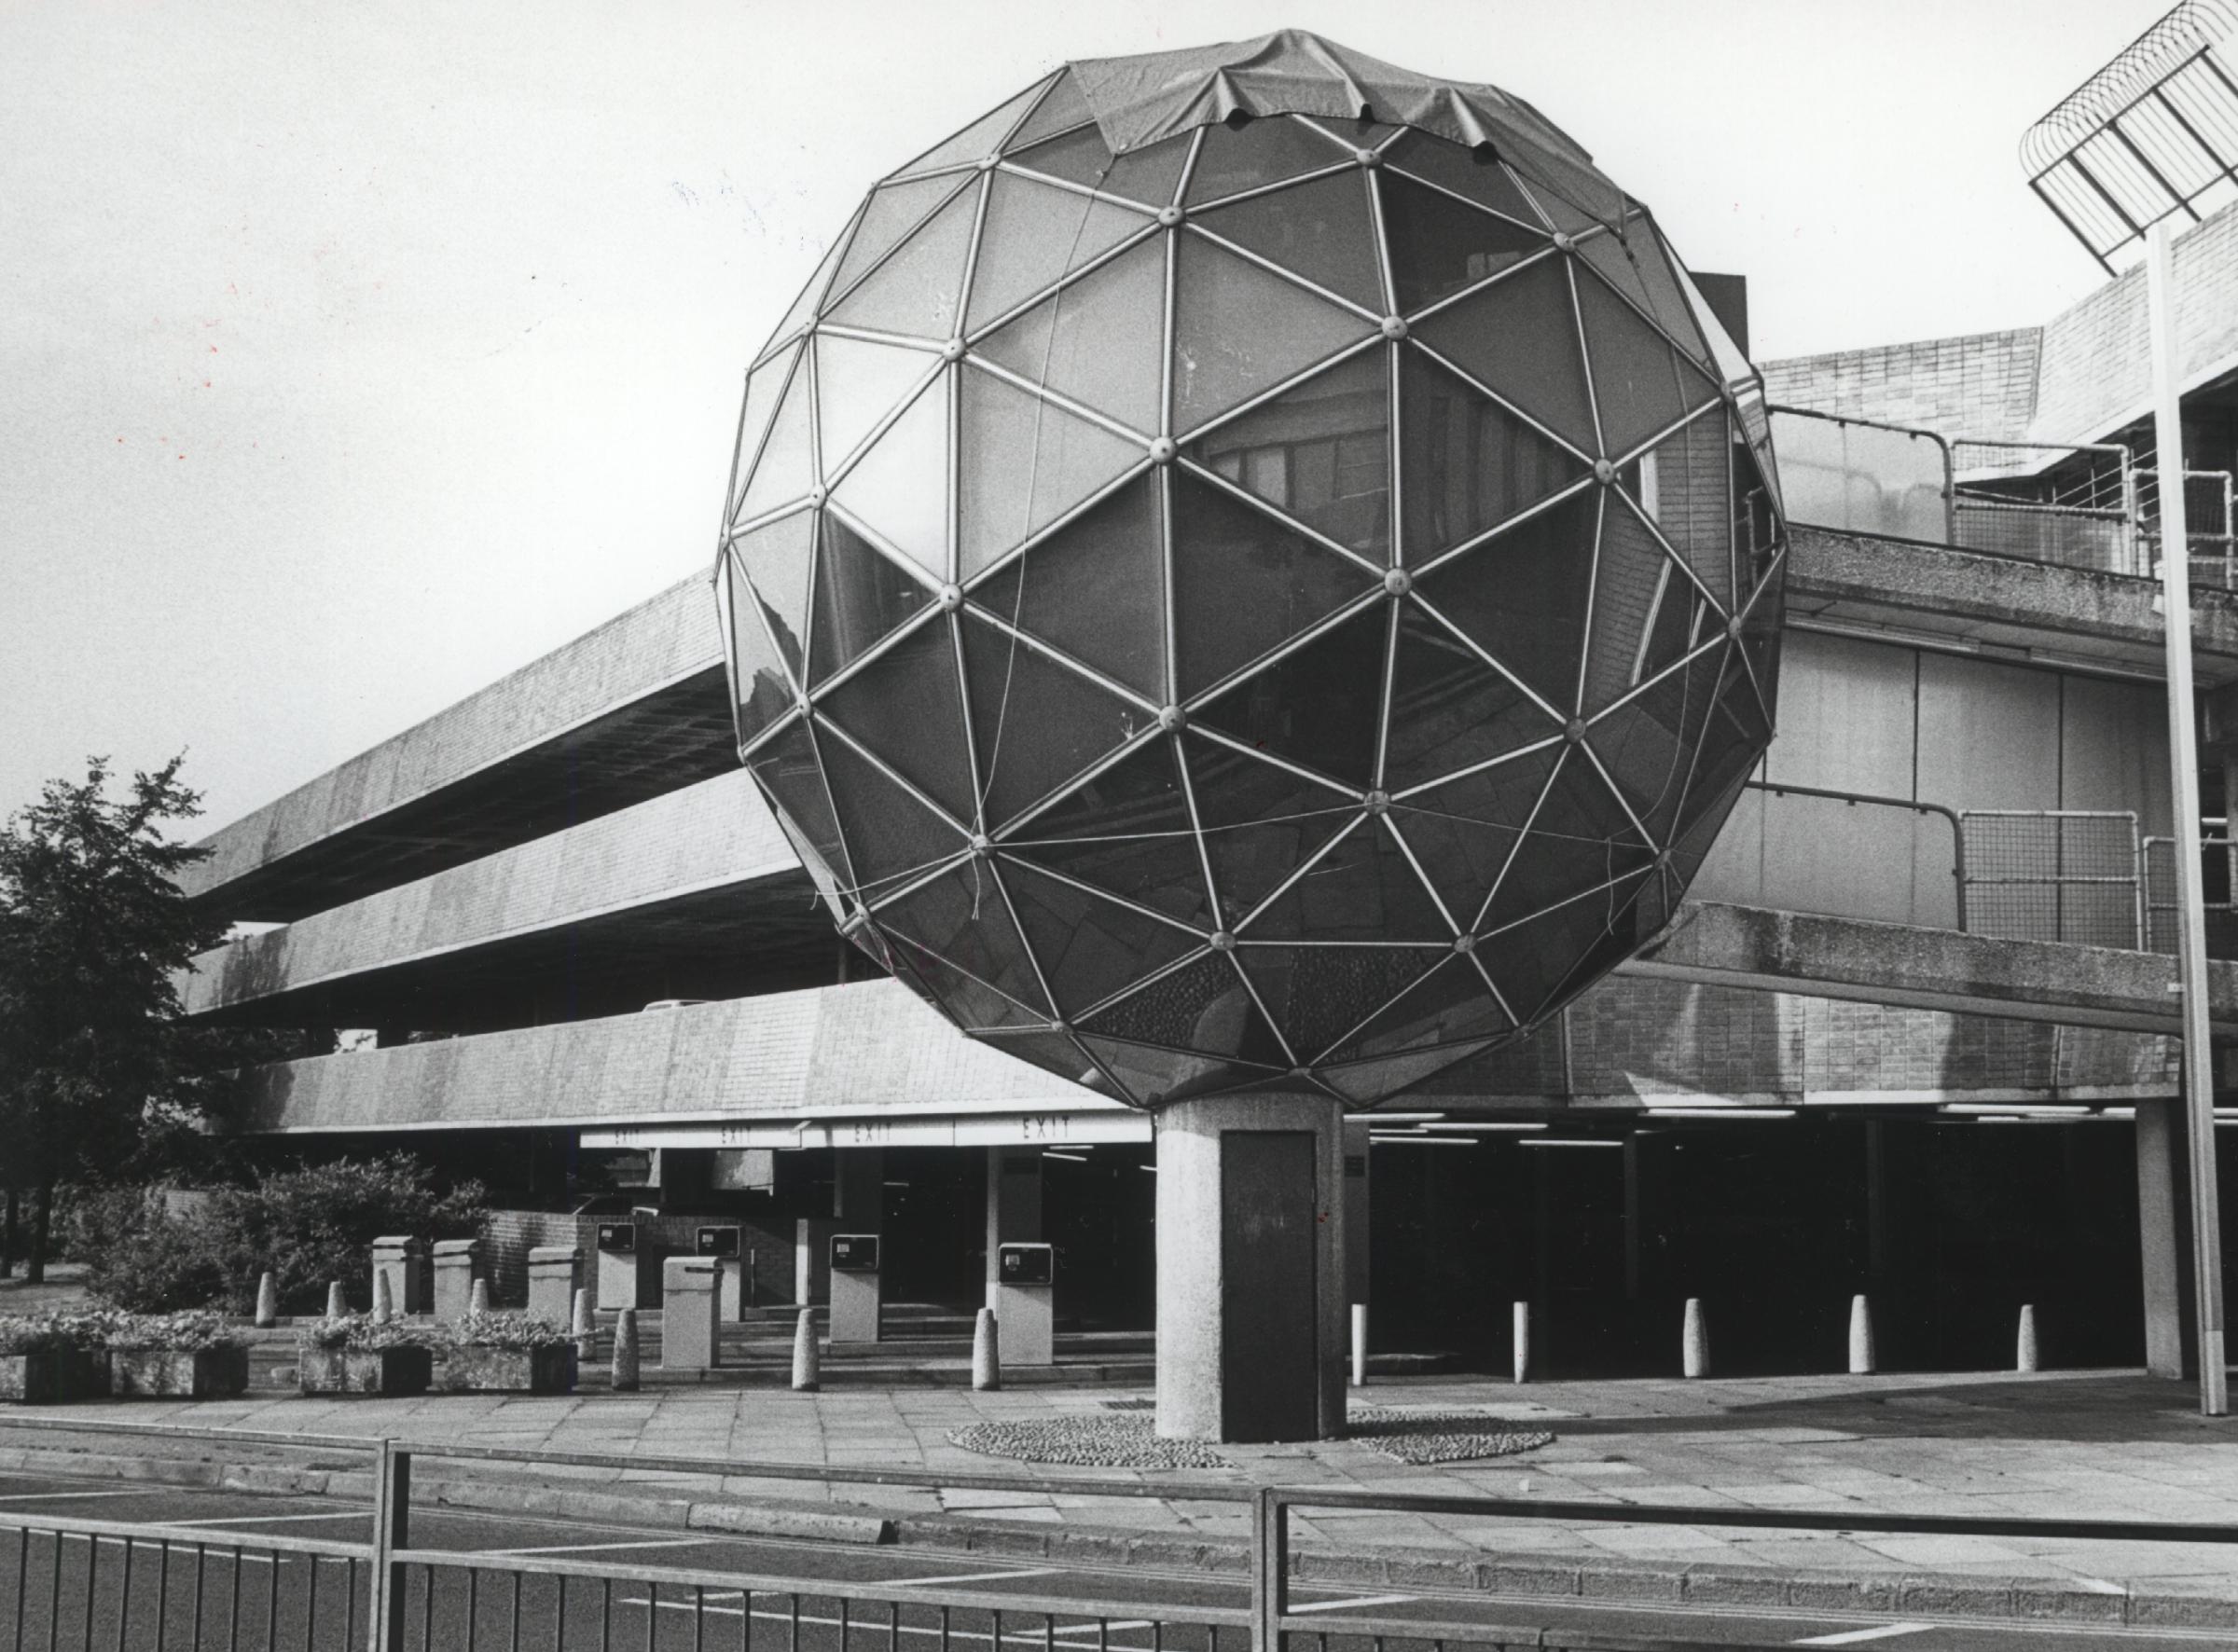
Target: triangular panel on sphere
899,489
1064,108
1202,1006
889,834
1089,948
1127,829
1448,165
1034,235
1365,888
918,290
786,469
804,305
1260,152
1449,710
907,711
1318,230
1244,583
1519,338
962,917
1319,453
1647,614
1543,959
1094,589
765,385
1640,381
1259,821
1578,838
1468,463
1150,1076
1448,1005
1035,724
1647,745
762,690
1317,706
1318,994
1367,1081
1081,156
860,596
961,996
1633,264
1465,832
984,137
1522,595
1098,341
892,213
1025,462
1685,485
793,780
776,558
1239,331
1441,245
857,384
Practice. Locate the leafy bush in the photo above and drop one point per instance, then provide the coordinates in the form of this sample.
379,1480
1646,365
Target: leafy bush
305,1226
32,1333
515,1332
361,1333
191,1332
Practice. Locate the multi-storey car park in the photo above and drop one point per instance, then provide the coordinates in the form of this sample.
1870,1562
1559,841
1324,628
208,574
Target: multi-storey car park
1907,1037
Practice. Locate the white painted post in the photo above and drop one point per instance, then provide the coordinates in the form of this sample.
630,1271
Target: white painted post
268,1301
987,1355
1861,1360
1360,1344
2024,1358
1694,1339
477,1298
336,1303
625,1351
805,1375
384,1304
1523,1342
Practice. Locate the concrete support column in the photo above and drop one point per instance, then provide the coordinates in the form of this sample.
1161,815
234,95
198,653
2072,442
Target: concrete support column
1358,1183
404,1259
1251,1268
458,1265
1025,1330
555,1275
812,1260
2163,1241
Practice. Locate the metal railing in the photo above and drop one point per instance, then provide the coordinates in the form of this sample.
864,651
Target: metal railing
392,1596
2156,872
1905,804
2208,504
2072,876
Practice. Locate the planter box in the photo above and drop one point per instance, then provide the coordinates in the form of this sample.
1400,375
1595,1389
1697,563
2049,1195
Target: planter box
508,1370
343,1371
36,1379
85,1373
170,1373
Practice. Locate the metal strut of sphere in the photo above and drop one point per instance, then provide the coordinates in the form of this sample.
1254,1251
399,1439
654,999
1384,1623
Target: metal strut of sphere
1289,605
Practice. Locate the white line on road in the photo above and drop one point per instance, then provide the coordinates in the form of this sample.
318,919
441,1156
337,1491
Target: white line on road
1879,1631
978,1576
595,1548
1363,1600
254,1520
59,1496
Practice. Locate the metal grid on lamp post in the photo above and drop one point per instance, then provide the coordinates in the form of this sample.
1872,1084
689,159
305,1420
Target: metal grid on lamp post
2150,136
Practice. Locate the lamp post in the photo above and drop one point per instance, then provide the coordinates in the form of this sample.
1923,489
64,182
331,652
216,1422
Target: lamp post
2141,141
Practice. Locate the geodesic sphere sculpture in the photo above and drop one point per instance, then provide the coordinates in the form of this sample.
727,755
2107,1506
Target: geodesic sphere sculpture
1251,567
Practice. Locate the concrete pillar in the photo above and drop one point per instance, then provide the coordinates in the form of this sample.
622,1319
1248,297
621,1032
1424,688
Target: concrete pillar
555,1275
404,1259
812,1259
1024,1308
1251,1268
1359,1181
458,1265
690,1323
2161,1232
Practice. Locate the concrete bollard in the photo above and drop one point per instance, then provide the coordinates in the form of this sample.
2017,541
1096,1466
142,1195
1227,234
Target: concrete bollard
1360,1344
585,1328
987,1358
268,1301
385,1303
625,1351
336,1303
1523,1342
1861,1360
2025,1358
477,1300
804,1370
1695,1340
458,1269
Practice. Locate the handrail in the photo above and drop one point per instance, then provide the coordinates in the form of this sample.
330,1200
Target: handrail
1949,474
1950,815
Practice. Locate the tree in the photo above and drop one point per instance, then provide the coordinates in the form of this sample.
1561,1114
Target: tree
93,1058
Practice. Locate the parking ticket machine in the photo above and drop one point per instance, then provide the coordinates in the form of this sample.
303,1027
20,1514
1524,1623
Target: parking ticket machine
1024,1304
856,1293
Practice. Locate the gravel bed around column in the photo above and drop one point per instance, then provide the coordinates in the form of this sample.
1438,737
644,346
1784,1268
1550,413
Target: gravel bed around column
1439,1437
1090,1441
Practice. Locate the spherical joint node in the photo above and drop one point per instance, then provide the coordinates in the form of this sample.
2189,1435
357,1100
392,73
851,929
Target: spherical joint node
1574,730
1603,472
1464,943
1162,450
952,351
1173,719
1663,859
801,704
1562,241
1398,581
1061,1027
1370,158
1222,941
1394,326
1379,802
982,845
989,163
1733,627
951,598
1170,215
817,496
1303,1074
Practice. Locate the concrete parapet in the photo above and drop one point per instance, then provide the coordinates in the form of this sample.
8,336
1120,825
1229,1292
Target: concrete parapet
401,1261
458,1265
555,1276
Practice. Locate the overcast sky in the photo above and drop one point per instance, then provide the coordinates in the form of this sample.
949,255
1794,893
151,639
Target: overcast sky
352,356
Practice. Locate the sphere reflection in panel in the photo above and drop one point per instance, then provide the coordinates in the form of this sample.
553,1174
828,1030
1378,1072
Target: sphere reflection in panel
1229,586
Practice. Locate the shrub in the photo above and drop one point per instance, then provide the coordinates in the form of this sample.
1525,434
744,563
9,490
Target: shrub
305,1226
361,1333
191,1332
32,1333
516,1332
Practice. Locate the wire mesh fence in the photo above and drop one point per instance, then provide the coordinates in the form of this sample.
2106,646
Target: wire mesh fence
2207,524
2053,874
2218,860
2046,502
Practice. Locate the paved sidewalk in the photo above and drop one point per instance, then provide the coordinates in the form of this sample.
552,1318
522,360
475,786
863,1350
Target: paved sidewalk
2075,1445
